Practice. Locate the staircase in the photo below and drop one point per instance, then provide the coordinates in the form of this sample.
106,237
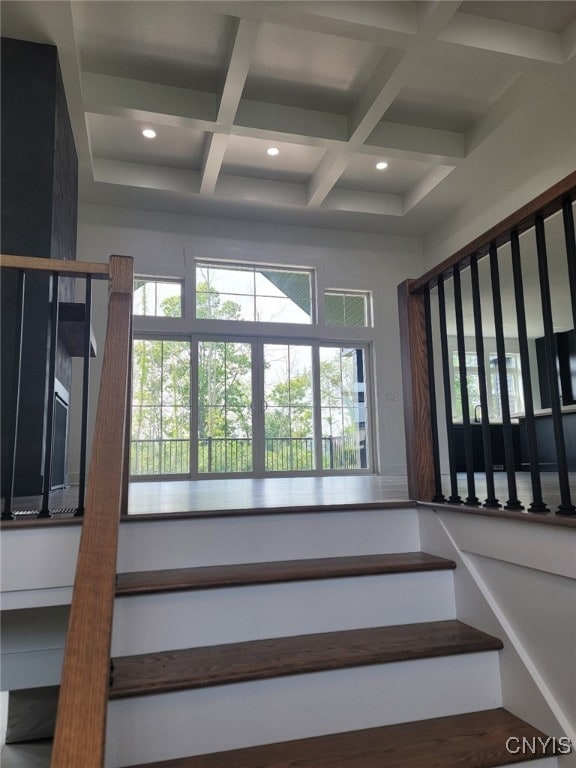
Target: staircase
317,639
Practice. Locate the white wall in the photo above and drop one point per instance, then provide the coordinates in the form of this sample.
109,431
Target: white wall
164,243
517,580
533,148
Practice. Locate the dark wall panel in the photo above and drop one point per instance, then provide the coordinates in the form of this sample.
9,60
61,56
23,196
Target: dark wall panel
38,218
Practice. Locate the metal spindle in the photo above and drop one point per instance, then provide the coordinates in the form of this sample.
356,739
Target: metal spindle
12,416
570,238
454,496
491,500
566,507
537,504
85,391
513,502
46,480
471,500
438,497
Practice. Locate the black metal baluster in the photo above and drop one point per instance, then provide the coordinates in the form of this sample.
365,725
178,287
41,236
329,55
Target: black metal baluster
537,504
570,251
438,497
454,495
513,502
46,480
491,500
566,507
11,419
85,392
471,500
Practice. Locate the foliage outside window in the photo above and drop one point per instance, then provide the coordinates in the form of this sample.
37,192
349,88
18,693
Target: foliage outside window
253,293
513,378
346,308
157,298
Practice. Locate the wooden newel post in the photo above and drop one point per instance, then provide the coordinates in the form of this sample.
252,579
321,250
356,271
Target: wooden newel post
417,419
122,281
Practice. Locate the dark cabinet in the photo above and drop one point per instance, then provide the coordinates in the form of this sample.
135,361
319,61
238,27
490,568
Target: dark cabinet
496,443
565,367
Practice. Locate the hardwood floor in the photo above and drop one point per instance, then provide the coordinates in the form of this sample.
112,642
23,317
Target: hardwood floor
172,496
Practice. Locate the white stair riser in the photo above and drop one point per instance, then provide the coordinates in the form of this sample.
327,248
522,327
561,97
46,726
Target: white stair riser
227,615
151,728
185,543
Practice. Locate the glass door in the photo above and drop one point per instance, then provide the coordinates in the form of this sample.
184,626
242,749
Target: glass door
160,407
289,440
225,412
248,407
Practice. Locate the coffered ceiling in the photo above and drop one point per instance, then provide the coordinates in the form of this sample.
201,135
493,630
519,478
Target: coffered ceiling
336,87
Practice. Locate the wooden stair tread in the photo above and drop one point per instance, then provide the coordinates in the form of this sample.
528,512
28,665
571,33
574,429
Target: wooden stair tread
260,659
472,740
207,577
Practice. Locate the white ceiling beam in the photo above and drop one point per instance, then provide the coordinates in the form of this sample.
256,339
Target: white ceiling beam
138,100
513,40
238,65
146,176
237,72
291,122
569,42
392,74
411,142
216,145
263,191
363,202
384,24
423,188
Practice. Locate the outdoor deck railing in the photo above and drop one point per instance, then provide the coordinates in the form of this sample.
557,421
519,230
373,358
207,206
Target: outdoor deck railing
234,455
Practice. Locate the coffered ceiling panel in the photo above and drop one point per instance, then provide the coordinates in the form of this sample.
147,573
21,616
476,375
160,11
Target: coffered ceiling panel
117,138
451,92
309,69
248,157
548,16
444,91
398,178
160,42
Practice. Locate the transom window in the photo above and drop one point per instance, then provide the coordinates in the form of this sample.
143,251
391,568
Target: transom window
253,293
347,308
157,297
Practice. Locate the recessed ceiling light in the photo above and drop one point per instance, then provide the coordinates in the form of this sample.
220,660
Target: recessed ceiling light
381,166
272,151
149,133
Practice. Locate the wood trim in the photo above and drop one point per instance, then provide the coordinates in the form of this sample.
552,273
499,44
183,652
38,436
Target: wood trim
545,204
63,267
81,722
419,447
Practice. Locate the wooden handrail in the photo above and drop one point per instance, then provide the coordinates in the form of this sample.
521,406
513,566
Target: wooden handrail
81,722
546,204
63,267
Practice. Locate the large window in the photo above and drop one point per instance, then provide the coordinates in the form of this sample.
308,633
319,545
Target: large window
257,407
253,293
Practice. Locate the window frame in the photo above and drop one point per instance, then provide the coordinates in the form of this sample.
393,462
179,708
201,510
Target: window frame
165,280
255,267
344,292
